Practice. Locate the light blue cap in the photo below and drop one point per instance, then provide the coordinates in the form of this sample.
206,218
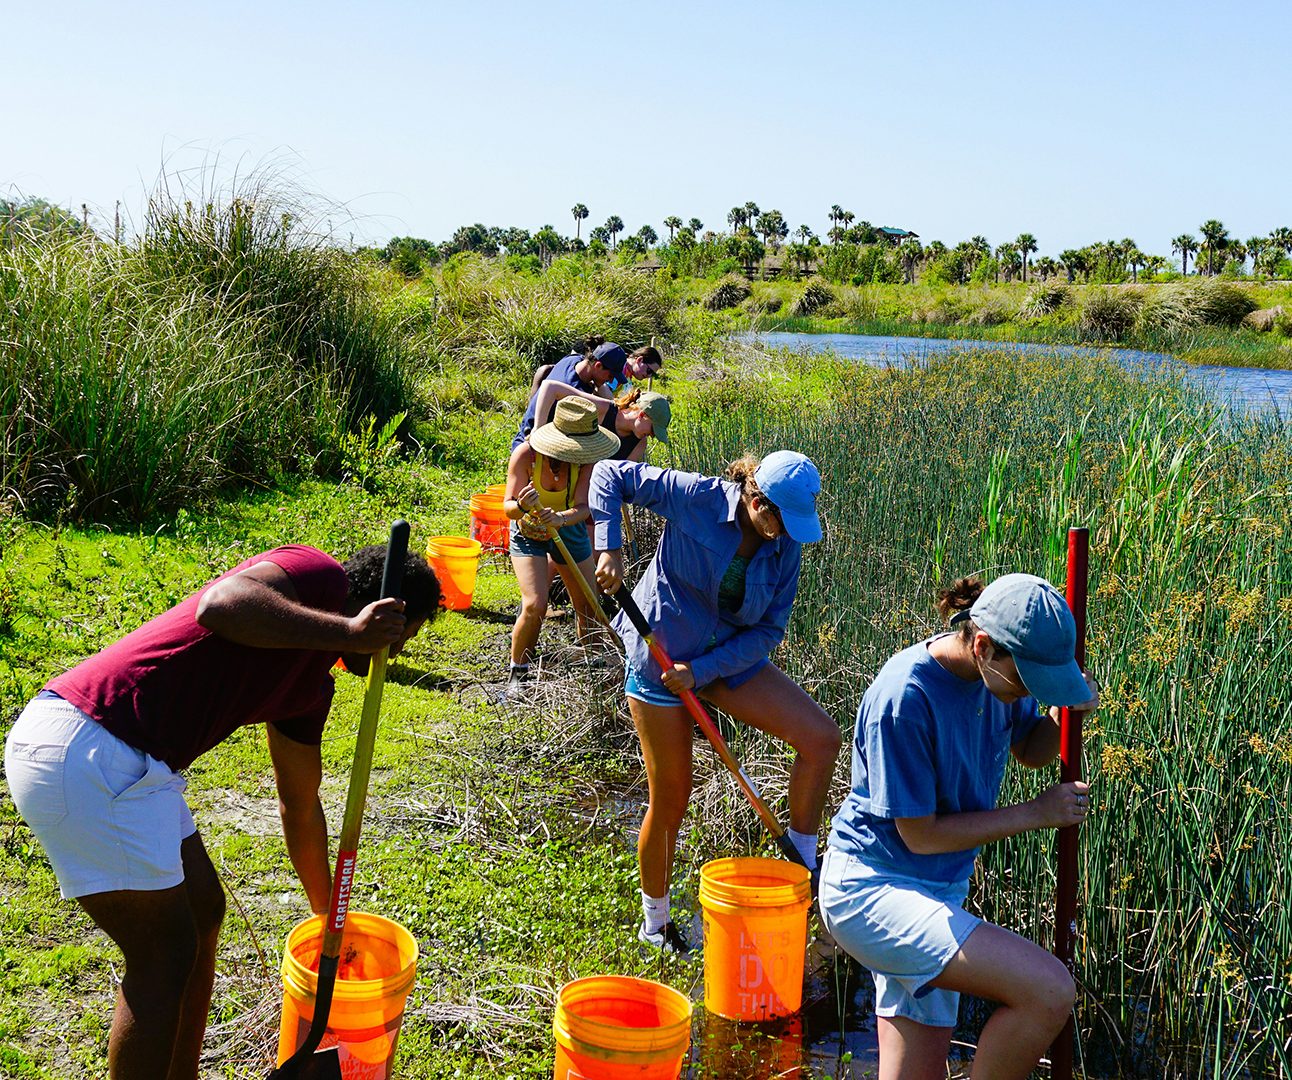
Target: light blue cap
791,481
1028,617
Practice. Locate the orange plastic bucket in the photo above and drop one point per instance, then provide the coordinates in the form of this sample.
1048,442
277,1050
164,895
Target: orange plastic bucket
378,964
755,937
454,560
612,1027
489,524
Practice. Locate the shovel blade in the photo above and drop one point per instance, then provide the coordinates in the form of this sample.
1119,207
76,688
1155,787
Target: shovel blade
321,1065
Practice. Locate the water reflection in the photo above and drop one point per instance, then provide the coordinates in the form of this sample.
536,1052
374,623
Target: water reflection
1251,389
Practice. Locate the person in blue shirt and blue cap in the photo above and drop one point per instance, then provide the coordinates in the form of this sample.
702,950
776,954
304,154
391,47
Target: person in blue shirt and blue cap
717,595
934,733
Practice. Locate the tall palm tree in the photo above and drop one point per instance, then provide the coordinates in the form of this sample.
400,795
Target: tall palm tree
1256,246
672,223
836,212
1281,238
1025,245
847,217
803,233
580,212
910,253
736,217
1134,257
1214,237
614,226
1184,245
695,225
1003,252
751,213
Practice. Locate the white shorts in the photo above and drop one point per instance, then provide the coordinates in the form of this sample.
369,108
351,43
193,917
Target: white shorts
903,929
109,817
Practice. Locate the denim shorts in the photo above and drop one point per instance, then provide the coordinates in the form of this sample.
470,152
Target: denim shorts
575,537
638,686
904,930
109,817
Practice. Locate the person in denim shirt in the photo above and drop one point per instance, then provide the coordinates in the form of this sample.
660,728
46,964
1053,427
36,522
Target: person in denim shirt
717,594
935,732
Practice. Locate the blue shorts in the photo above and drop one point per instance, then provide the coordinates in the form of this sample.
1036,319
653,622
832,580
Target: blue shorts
639,687
903,929
575,537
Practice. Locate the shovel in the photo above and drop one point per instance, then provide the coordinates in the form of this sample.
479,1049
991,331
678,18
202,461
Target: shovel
306,1064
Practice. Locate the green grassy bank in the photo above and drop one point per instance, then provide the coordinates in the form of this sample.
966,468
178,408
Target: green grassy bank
503,834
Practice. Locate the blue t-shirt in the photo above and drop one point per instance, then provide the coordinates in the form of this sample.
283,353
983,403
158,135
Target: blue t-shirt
927,742
562,371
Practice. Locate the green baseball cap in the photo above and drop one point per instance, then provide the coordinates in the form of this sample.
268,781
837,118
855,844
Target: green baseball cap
655,407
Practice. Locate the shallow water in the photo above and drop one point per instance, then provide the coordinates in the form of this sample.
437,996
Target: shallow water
1252,389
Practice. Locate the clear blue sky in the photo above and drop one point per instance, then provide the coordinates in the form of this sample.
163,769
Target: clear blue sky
1076,122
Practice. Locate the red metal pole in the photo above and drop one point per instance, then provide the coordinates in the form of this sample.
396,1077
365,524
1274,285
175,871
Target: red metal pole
1065,901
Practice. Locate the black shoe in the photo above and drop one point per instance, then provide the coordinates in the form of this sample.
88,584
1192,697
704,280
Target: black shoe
669,939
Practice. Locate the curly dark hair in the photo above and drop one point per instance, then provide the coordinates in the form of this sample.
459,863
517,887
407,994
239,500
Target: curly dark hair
420,590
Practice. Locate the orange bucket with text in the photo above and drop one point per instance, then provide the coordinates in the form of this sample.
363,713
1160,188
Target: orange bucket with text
378,964
454,560
489,524
755,936
612,1027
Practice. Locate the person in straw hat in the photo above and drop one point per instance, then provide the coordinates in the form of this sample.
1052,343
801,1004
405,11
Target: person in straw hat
547,488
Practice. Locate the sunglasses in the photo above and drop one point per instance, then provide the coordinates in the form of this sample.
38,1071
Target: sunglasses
774,509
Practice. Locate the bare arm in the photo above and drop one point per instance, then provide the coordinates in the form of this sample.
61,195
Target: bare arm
1042,744
259,607
540,376
552,392
298,771
936,834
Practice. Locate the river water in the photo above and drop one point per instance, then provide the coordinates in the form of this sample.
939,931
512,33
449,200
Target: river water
1249,389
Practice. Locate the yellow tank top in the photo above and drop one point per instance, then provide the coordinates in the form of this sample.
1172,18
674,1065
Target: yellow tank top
555,500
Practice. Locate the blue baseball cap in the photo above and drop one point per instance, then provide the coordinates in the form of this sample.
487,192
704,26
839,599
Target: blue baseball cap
1028,617
611,357
791,482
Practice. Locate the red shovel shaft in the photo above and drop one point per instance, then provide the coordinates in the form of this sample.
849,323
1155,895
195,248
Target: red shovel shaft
1065,901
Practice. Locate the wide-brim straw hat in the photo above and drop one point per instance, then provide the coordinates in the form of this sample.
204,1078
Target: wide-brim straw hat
574,434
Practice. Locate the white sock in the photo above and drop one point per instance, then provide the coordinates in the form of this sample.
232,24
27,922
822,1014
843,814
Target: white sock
805,845
655,912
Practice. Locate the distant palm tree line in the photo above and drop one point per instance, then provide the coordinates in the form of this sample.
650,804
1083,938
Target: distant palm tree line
754,231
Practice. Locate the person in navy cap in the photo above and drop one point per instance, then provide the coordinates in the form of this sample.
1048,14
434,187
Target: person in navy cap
934,733
718,595
593,371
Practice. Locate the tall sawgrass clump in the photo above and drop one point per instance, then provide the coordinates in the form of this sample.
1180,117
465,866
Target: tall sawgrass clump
255,253
223,344
120,397
979,463
1108,314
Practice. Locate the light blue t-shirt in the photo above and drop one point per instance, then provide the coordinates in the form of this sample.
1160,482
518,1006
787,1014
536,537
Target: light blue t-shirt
927,742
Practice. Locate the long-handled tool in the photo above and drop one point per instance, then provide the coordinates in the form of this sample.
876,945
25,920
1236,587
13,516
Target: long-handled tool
305,1064
701,716
1065,900
589,593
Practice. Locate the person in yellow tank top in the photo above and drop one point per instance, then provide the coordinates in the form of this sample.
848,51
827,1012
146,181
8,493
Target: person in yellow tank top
547,488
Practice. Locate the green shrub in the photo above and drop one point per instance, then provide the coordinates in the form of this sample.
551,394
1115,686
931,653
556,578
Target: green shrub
1045,299
728,292
816,295
1109,314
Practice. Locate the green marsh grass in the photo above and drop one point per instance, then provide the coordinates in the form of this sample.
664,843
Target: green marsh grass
979,462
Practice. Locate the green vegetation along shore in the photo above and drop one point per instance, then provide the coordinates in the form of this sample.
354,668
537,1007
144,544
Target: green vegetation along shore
502,834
